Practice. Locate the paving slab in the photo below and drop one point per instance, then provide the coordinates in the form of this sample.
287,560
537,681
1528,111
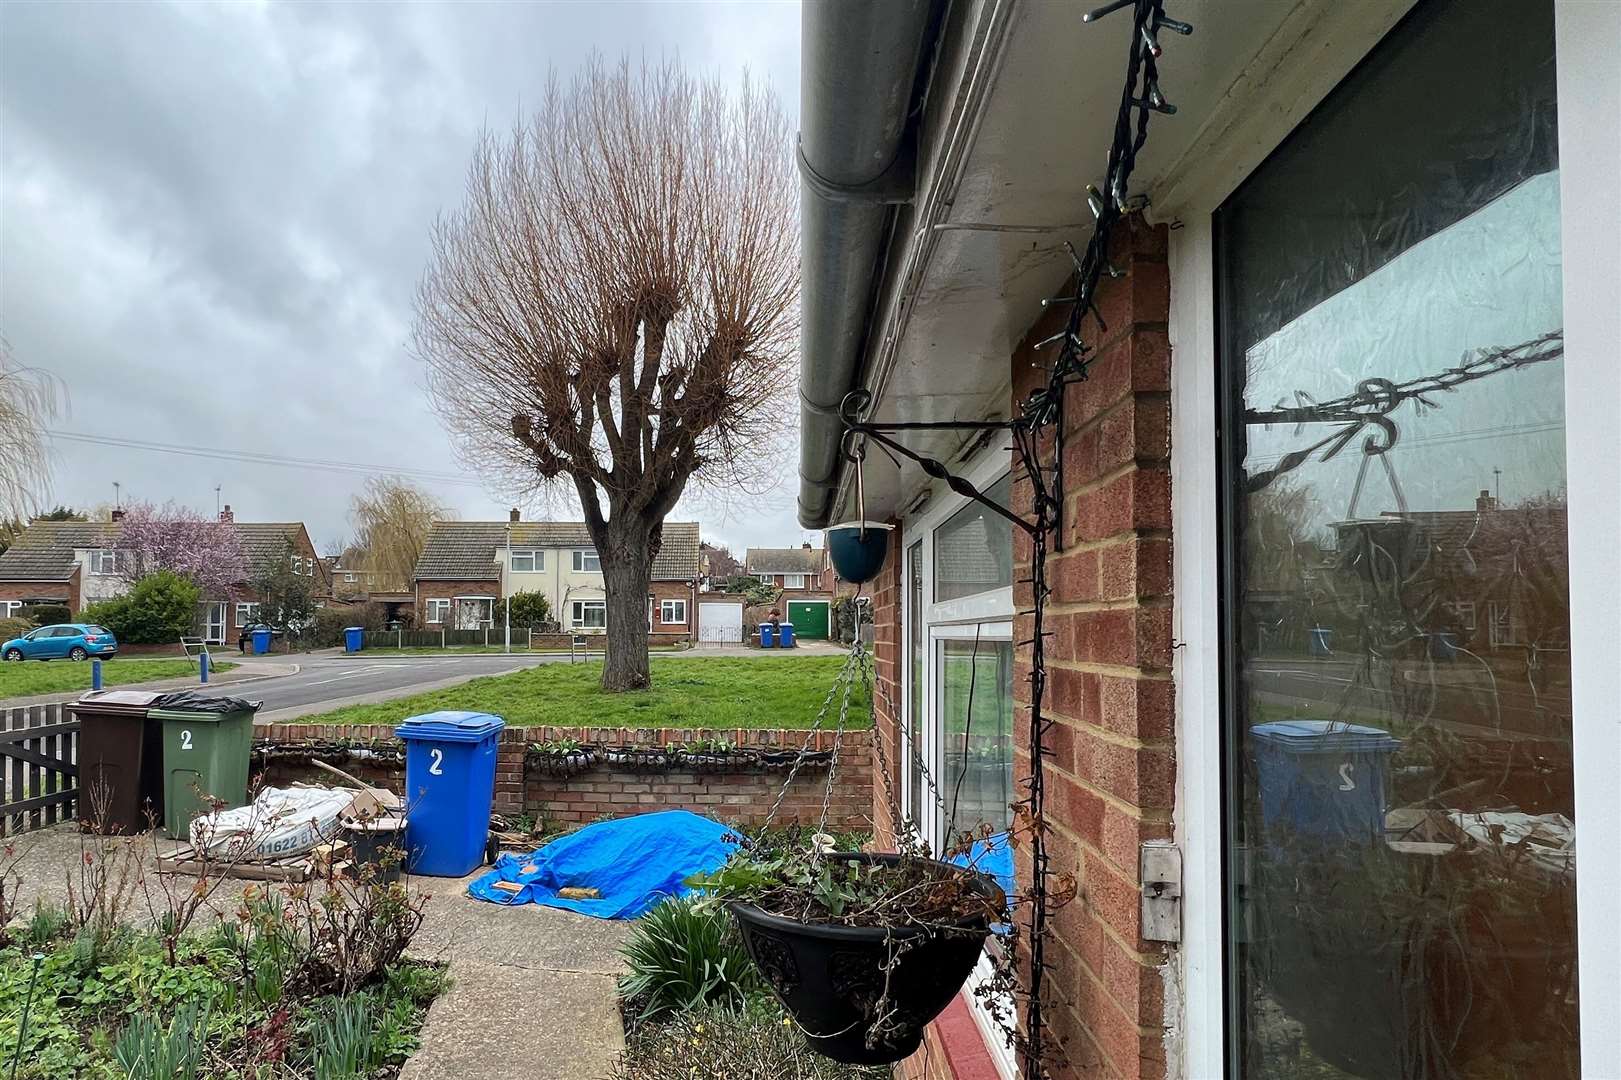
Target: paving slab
499,1022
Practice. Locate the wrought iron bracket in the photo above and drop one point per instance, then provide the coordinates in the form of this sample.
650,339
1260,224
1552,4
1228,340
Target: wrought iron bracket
857,431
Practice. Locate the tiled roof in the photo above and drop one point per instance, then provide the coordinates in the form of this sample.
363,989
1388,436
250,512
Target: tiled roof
465,550
263,542
794,560
44,550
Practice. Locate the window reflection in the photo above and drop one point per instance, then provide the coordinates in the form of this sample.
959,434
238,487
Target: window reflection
1403,867
976,715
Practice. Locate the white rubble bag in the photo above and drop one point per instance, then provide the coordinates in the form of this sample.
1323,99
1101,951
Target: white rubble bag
279,823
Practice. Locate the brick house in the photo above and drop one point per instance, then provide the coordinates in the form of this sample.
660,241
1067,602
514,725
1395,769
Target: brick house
74,563
468,567
1275,554
799,572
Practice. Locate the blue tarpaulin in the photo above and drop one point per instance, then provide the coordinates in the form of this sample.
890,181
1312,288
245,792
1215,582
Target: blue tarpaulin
993,856
633,863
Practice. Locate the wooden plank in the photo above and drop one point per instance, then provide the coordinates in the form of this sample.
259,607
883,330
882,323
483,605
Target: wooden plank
49,728
23,806
18,791
53,781
25,753
36,778
181,861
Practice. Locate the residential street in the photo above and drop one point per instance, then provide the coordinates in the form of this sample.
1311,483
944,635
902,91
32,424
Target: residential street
306,683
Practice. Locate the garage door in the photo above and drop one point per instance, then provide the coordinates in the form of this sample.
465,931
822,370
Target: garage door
809,618
720,621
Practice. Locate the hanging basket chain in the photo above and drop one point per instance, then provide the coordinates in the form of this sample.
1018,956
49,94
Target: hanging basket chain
846,673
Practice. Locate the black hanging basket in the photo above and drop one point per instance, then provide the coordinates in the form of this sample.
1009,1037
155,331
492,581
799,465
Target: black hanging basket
858,549
832,979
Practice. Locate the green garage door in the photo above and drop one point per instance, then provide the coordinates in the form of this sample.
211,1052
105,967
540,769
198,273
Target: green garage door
809,618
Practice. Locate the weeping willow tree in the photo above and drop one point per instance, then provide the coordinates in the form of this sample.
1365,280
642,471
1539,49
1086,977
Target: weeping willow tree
29,400
613,311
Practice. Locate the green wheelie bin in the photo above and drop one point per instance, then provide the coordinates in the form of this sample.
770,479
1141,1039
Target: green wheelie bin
206,745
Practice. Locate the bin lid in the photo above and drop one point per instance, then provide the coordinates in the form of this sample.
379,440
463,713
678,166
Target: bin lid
119,701
1303,736
450,725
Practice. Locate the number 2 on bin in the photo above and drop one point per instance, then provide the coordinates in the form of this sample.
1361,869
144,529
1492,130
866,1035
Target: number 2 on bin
1346,783
185,738
438,757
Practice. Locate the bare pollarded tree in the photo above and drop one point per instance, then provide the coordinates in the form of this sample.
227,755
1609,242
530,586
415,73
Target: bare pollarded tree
614,309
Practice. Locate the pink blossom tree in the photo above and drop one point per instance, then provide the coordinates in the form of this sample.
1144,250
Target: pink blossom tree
171,537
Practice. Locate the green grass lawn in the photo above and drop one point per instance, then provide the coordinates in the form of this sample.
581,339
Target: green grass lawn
31,677
687,693
518,646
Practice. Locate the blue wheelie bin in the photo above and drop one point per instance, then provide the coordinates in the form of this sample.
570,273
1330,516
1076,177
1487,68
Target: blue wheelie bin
1322,780
768,636
352,638
449,786
785,636
261,640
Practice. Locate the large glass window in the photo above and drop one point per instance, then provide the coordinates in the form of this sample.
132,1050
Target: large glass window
975,674
1397,669
973,549
914,645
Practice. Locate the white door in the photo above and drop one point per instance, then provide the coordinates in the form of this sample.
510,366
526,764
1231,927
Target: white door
214,621
720,622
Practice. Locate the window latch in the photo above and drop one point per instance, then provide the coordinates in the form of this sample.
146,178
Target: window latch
1160,862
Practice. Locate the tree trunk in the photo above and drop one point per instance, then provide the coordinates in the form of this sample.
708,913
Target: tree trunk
627,564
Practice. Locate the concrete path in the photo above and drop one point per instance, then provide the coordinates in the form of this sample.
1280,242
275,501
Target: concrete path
532,991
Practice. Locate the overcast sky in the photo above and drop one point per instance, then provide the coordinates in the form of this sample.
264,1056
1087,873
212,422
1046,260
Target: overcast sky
213,218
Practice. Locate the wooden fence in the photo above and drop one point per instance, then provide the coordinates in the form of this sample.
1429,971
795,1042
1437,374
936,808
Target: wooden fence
39,777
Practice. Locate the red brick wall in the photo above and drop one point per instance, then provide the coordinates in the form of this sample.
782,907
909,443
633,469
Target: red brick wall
743,797
27,590
446,590
886,594
674,590
1111,777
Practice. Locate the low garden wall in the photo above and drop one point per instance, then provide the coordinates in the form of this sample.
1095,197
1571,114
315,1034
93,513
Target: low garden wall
575,774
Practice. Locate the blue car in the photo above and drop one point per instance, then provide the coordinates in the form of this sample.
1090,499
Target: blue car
64,641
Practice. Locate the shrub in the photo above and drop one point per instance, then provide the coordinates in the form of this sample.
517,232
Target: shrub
45,614
714,1044
157,611
14,628
530,609
332,620
684,956
751,588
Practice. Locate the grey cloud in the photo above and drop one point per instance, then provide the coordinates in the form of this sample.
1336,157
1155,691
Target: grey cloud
212,220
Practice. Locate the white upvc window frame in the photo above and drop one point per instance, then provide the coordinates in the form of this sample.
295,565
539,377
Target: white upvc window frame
583,558
9,608
103,562
247,613
666,606
577,609
793,581
1589,93
535,556
435,608
991,613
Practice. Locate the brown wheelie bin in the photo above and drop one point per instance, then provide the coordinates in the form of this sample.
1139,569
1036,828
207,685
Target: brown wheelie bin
120,761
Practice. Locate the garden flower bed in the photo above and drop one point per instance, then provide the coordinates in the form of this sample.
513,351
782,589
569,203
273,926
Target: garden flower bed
305,981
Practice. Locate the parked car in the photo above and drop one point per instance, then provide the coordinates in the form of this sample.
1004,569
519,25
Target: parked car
71,641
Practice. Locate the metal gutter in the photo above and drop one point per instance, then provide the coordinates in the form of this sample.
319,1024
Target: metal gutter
859,87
